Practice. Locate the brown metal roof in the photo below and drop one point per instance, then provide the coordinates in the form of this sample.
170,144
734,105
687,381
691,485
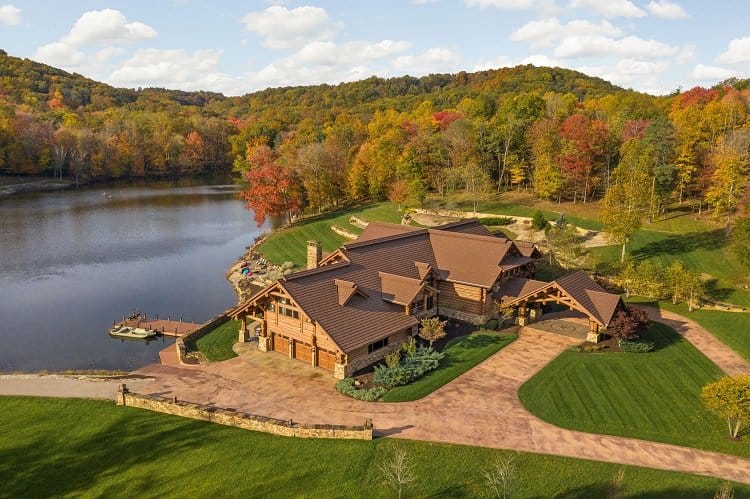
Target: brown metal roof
361,300
466,226
399,289
518,286
591,298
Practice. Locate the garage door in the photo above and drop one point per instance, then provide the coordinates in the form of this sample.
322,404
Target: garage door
302,352
281,344
326,360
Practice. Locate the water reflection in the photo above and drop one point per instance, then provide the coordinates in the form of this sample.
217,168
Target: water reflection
72,261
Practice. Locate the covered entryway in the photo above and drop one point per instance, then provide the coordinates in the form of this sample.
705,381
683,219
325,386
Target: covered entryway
326,360
570,324
302,351
281,344
577,291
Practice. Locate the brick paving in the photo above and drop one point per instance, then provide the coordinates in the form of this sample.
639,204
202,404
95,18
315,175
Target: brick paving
480,408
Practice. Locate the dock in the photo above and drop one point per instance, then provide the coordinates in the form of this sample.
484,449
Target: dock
165,327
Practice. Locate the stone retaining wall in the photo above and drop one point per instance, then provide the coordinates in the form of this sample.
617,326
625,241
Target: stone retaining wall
241,419
207,326
343,232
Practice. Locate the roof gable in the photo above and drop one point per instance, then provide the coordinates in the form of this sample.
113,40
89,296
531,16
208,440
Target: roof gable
346,290
398,289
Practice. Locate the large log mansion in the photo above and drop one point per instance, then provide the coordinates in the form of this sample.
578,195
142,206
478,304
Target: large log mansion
352,307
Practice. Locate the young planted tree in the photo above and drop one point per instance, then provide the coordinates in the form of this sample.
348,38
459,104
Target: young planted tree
432,329
683,284
729,398
398,471
500,476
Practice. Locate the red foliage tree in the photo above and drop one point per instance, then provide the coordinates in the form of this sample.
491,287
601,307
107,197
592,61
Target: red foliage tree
628,323
635,129
584,140
273,189
445,118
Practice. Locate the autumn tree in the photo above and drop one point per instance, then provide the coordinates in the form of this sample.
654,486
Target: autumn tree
729,398
397,192
544,143
683,284
627,198
273,190
729,159
582,151
432,329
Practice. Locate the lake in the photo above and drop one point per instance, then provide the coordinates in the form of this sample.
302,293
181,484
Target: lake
72,261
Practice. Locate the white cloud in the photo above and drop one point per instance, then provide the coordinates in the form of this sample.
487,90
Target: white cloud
59,54
501,61
644,75
501,4
610,8
433,60
10,15
686,55
173,68
328,62
541,60
288,28
666,10
106,26
703,72
630,46
544,32
738,51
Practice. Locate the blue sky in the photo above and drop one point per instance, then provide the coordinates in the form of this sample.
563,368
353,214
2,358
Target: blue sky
237,47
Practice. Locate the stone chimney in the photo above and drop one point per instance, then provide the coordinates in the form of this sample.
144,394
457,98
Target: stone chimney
314,254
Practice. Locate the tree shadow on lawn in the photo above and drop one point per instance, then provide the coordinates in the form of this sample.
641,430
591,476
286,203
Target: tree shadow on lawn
602,489
44,467
680,244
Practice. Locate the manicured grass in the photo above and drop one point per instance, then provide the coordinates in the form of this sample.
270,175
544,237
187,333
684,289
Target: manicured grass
217,345
62,447
702,250
732,328
290,244
461,354
653,396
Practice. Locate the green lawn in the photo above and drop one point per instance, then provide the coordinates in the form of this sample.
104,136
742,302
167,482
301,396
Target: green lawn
217,345
732,328
63,447
290,244
653,396
461,354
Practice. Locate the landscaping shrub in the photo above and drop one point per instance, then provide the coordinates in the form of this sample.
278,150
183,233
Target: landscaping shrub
496,221
592,348
538,221
492,325
346,387
575,348
411,367
635,346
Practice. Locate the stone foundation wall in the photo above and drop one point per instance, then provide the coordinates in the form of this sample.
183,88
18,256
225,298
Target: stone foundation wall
240,419
475,319
210,324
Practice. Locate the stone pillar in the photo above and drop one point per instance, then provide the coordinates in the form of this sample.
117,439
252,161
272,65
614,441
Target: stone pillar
264,343
339,371
314,254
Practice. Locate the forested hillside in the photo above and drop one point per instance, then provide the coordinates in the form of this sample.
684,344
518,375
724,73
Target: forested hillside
556,132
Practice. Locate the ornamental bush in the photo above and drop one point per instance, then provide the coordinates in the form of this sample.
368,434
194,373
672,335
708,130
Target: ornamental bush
410,368
496,221
492,325
346,387
635,346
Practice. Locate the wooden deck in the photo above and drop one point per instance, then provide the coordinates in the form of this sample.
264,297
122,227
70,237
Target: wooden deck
163,326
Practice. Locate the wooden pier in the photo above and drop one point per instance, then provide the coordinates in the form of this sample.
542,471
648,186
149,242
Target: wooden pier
165,327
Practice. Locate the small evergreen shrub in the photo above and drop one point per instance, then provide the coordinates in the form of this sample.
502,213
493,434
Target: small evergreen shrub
492,325
346,387
592,348
575,348
538,221
635,346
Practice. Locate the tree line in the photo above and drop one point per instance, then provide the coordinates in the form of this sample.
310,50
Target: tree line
554,132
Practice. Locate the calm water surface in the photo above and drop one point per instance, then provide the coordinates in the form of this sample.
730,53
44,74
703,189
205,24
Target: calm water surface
72,261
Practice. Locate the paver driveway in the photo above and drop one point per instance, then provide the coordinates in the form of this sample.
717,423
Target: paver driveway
480,407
